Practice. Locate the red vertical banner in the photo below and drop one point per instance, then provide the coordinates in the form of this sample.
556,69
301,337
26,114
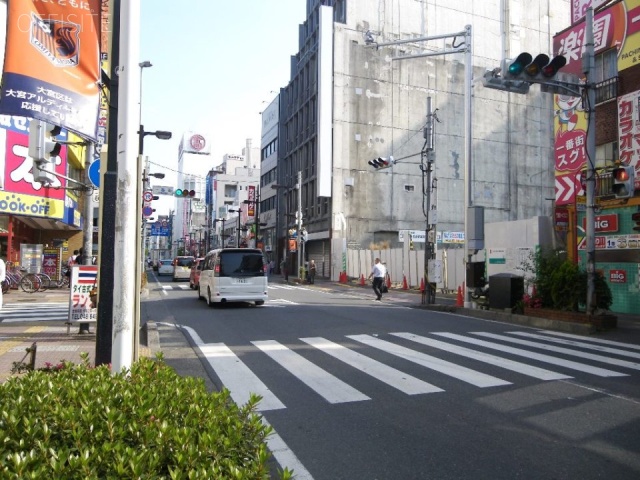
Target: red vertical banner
52,63
251,211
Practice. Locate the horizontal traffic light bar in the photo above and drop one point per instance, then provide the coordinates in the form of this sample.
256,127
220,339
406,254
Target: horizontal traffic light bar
184,192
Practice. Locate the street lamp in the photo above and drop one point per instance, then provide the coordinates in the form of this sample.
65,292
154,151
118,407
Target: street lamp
238,211
222,235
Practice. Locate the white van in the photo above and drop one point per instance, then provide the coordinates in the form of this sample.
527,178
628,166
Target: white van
233,275
182,267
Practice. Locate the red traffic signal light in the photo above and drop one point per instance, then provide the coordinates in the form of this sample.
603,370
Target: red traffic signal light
635,218
381,162
623,181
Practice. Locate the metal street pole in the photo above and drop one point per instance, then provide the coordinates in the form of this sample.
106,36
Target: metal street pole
126,206
299,219
109,182
588,67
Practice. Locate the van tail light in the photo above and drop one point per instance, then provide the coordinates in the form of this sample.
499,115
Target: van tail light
216,269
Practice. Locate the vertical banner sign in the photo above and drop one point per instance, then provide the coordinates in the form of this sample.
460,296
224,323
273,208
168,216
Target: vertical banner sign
83,279
251,211
52,63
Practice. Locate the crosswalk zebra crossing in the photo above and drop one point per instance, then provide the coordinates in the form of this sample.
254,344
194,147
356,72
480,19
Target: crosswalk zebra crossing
37,311
603,358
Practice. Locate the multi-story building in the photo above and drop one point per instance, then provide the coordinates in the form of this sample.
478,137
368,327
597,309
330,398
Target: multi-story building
233,202
616,82
351,99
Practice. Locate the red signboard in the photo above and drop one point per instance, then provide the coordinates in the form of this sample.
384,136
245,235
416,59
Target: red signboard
618,276
251,212
604,223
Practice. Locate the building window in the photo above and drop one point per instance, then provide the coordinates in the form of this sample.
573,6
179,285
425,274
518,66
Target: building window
606,65
409,188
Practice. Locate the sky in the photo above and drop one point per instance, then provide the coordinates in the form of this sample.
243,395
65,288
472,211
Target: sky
216,66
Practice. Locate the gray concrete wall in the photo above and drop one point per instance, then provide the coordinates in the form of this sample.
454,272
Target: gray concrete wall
380,110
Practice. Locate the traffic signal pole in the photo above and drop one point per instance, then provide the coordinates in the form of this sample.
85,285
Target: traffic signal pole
588,68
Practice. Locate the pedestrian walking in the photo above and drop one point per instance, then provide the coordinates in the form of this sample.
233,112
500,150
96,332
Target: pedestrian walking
3,277
312,271
378,272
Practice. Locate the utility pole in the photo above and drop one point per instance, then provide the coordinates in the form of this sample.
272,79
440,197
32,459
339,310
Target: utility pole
126,244
299,220
588,68
109,186
428,152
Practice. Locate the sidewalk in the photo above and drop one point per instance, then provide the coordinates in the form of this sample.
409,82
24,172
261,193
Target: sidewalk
53,344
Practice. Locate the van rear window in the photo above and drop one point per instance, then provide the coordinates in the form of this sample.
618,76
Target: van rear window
240,264
184,262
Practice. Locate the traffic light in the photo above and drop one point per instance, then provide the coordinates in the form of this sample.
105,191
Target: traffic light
623,181
516,75
184,193
43,150
635,218
382,163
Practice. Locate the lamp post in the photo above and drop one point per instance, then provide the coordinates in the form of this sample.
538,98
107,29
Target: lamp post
286,189
221,231
238,210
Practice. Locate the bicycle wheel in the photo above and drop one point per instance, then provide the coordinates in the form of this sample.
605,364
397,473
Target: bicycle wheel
45,282
30,283
5,286
63,282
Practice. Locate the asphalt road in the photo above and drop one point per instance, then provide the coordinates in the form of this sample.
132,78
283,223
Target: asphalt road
359,389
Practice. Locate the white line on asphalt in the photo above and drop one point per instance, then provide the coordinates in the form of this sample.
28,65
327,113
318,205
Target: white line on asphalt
590,346
601,372
595,340
238,378
512,365
285,456
456,371
322,382
566,351
391,376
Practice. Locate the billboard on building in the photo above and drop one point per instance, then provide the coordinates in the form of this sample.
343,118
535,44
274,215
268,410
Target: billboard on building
52,63
21,194
629,132
195,143
613,27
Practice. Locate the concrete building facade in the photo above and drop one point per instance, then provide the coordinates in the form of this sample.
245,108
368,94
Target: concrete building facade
377,108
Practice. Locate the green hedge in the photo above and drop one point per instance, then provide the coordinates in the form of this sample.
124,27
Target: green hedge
78,422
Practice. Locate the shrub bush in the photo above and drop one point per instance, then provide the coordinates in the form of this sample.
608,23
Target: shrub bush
560,284
78,422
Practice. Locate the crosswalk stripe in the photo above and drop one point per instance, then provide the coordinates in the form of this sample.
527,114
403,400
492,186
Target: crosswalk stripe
14,313
523,368
457,371
595,340
601,372
391,376
599,348
238,378
566,351
322,382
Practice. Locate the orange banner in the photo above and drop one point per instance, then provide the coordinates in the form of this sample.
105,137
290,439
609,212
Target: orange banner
52,63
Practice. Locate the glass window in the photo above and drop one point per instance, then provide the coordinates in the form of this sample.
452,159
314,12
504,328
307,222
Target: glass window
241,264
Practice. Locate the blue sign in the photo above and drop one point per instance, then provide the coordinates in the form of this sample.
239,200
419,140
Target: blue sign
159,230
94,173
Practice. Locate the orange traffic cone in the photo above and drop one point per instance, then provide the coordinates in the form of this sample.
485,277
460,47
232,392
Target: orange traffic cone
405,286
459,300
362,279
422,284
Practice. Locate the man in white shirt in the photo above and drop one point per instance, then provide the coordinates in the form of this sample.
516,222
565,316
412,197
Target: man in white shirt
378,272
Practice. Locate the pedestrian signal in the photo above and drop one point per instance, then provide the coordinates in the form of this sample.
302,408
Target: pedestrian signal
623,181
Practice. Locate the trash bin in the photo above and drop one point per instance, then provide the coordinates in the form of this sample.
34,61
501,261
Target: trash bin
505,290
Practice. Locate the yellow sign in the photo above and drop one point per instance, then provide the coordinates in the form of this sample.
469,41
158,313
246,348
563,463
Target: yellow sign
22,204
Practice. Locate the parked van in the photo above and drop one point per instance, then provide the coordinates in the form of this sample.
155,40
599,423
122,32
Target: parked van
182,267
233,275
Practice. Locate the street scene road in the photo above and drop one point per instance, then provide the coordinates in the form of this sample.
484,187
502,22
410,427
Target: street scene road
356,388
